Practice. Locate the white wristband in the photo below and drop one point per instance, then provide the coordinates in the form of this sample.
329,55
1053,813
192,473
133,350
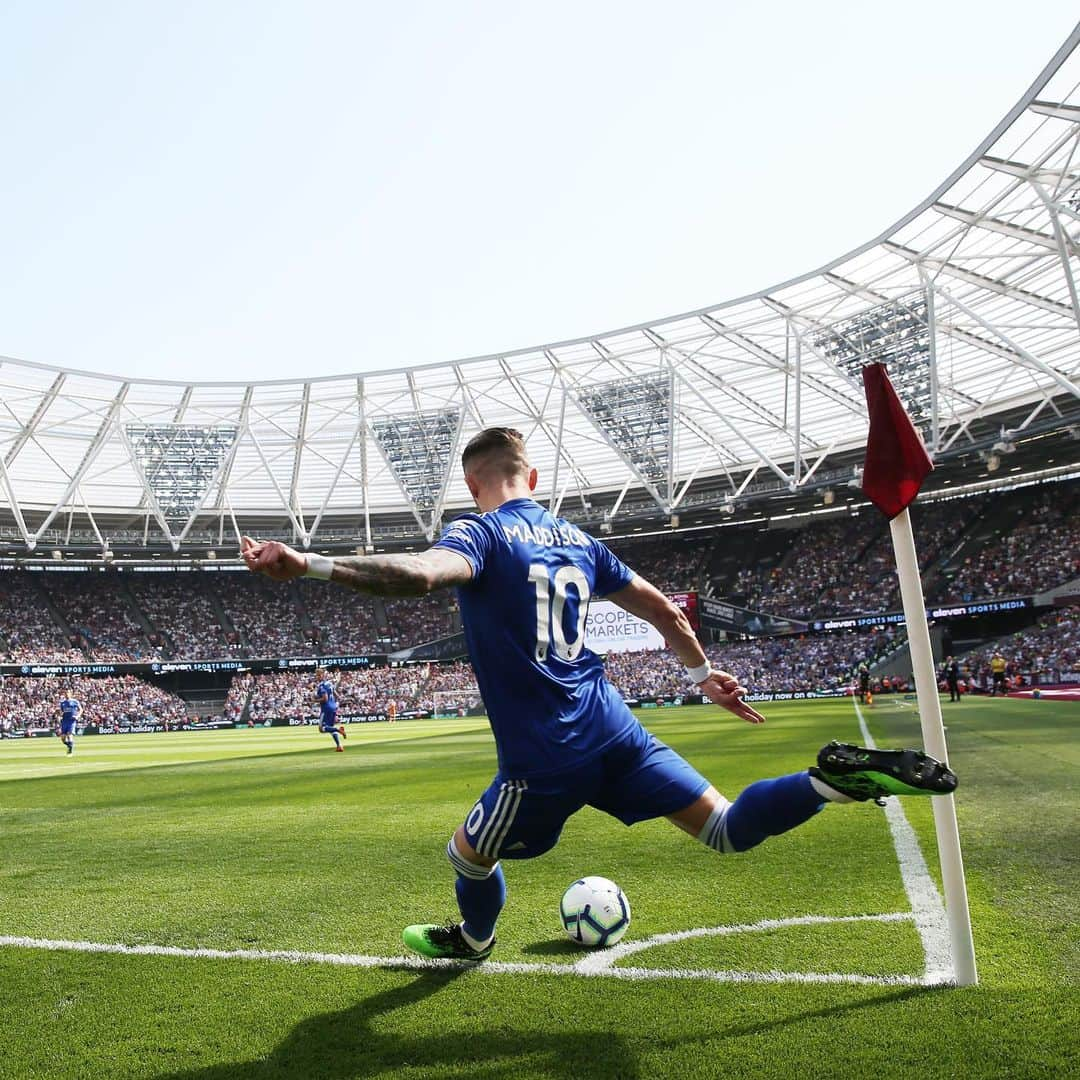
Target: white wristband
319,566
699,674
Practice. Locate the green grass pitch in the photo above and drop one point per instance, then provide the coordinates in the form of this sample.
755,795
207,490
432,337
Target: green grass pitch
266,841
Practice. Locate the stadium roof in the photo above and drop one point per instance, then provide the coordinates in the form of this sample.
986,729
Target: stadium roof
971,300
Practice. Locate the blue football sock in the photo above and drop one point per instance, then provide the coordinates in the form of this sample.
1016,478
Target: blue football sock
337,738
480,903
481,893
769,808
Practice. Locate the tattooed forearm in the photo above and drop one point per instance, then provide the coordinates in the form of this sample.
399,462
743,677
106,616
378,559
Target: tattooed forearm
401,575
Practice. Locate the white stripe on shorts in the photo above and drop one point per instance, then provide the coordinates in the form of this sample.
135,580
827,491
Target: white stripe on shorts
505,808
484,832
508,817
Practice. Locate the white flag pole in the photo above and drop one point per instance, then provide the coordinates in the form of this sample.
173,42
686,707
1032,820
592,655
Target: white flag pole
933,733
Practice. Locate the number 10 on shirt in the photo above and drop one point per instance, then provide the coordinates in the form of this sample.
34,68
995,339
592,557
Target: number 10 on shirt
550,611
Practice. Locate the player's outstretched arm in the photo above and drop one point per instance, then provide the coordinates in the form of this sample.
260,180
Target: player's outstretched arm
377,575
647,602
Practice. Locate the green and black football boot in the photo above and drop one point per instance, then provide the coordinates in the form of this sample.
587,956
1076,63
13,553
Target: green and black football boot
442,942
861,773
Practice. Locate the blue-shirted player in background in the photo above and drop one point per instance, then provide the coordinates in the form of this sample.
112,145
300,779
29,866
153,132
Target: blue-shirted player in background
324,695
565,738
70,711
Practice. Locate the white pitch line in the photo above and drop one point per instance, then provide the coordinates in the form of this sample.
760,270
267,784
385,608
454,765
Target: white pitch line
927,907
602,960
582,969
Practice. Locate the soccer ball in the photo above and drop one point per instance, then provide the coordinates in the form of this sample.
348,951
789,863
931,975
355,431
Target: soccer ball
595,912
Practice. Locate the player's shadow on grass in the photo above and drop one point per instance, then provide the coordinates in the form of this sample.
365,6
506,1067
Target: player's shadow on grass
559,947
355,1043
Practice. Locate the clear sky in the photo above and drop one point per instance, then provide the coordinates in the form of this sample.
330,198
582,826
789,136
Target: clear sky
236,189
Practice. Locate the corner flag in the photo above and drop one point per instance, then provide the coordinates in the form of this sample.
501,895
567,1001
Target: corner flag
896,460
896,465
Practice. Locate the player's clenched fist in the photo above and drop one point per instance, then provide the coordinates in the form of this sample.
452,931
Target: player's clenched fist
272,558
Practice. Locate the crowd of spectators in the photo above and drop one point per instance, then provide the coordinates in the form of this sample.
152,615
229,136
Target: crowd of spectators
418,619
236,699
1042,551
835,567
266,614
1040,655
345,623
672,563
846,566
291,694
27,631
796,663
97,609
111,702
178,606
821,573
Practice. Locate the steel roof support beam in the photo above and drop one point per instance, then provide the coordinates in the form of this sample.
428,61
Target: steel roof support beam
1031,360
148,496
791,315
1057,110
1064,245
243,426
645,482
365,494
1029,172
758,453
775,361
440,499
92,452
223,470
15,508
610,514
932,359
1005,228
556,439
277,487
334,483
301,435
942,266
29,428
796,465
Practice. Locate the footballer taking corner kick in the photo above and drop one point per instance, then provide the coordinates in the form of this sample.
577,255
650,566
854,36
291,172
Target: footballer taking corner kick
564,737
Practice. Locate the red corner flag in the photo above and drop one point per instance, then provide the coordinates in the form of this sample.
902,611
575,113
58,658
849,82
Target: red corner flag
896,460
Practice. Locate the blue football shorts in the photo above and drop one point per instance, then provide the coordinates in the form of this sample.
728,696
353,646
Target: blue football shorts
635,779
328,723
67,727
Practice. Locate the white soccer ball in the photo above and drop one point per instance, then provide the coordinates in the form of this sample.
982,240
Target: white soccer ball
595,912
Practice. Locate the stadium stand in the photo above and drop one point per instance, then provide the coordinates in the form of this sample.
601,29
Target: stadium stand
1041,654
764,665
672,563
178,607
112,701
1036,549
344,623
28,632
291,695
98,608
1016,543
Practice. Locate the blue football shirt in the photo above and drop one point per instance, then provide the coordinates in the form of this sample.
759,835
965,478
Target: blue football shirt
68,708
523,613
329,706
